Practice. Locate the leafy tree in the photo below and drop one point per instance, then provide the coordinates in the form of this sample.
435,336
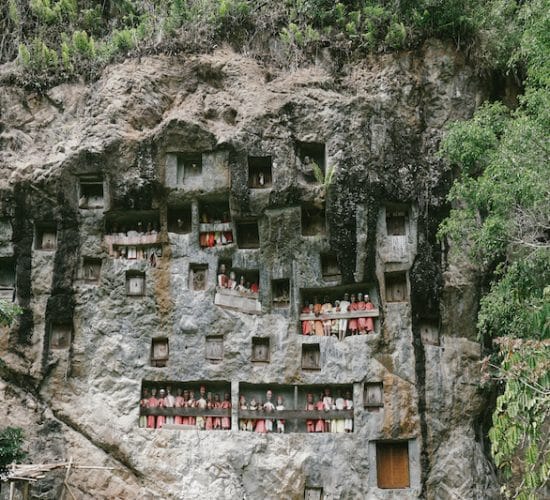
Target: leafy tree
11,442
501,215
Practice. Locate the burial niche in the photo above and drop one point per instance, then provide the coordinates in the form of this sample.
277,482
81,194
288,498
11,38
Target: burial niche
260,349
90,193
313,221
396,221
198,277
189,166
45,237
215,228
266,408
135,283
259,172
60,335
199,405
396,286
159,352
329,267
373,396
392,464
214,348
134,235
248,236
312,161
429,331
7,278
311,357
91,269
179,220
340,311
313,493
280,292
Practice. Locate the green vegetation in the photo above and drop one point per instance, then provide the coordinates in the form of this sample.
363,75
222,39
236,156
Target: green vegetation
11,441
502,215
8,312
57,40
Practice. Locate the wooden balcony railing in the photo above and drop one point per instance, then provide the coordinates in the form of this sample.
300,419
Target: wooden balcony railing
245,301
367,313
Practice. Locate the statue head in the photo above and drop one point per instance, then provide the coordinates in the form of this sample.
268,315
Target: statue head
153,392
269,394
241,281
280,400
162,393
352,298
360,297
217,398
309,397
226,396
367,298
346,297
222,268
232,276
326,391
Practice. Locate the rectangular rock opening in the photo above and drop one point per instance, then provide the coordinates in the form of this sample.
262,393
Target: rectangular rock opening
159,352
214,348
313,221
280,293
340,311
132,222
135,283
7,278
91,269
45,236
329,267
189,166
198,277
248,236
396,221
396,286
215,228
179,220
60,335
193,405
312,161
90,193
311,357
134,235
429,331
243,280
373,396
392,465
259,172
265,408
260,349
313,493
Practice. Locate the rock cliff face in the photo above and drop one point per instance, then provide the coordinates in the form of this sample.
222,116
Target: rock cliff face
74,365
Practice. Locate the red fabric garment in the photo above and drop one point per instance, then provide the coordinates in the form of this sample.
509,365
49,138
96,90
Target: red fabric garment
362,322
353,325
319,424
260,426
306,325
226,421
370,321
152,402
310,424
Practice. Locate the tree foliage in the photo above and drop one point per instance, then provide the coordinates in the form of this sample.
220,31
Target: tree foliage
8,312
501,215
11,442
